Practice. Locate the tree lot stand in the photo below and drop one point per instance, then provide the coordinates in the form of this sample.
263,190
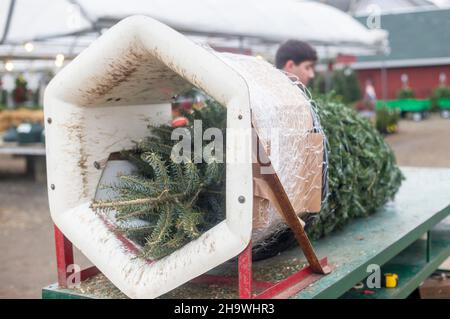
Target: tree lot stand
132,72
392,238
419,108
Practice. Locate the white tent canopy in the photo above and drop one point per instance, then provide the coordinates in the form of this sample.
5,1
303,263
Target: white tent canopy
68,26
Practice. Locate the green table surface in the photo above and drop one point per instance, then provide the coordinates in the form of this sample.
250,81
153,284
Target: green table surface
422,202
411,265
405,105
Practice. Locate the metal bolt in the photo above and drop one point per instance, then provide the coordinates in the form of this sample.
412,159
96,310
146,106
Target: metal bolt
52,186
97,165
241,199
49,120
240,116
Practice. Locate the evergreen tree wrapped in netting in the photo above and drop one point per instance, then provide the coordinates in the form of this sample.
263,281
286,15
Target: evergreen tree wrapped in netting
362,170
179,202
362,174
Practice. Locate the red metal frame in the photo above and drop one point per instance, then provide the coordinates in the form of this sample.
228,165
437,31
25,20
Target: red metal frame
293,283
266,290
64,256
64,259
245,273
282,289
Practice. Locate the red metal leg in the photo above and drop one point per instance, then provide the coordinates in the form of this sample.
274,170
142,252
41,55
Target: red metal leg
245,272
285,288
88,273
64,256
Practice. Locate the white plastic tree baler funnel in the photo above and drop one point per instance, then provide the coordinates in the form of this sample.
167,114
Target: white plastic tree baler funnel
101,102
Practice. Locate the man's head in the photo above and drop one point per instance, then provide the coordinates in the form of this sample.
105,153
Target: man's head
298,58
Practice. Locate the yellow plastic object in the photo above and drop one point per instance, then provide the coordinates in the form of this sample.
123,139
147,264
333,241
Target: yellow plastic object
391,280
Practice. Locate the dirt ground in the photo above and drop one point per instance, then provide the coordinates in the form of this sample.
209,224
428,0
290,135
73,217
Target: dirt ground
425,143
27,259
27,250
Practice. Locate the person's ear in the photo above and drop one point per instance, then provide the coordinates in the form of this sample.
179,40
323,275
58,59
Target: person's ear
289,65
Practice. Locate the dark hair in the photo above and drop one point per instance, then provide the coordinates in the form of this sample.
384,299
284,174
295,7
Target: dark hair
297,51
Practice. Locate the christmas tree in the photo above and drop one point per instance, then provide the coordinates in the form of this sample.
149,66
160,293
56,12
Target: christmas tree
180,201
362,170
362,175
344,83
20,92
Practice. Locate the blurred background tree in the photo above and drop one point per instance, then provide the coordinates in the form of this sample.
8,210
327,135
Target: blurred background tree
406,93
441,92
20,92
3,96
344,83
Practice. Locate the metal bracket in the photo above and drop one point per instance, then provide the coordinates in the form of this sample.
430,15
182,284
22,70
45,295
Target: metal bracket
287,210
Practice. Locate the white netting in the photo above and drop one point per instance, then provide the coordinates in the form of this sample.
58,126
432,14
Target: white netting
290,133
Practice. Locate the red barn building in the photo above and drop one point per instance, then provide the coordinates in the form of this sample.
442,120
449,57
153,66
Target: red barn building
419,57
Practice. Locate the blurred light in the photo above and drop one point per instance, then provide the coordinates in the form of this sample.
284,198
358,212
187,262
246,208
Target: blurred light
347,71
28,46
9,66
59,60
259,57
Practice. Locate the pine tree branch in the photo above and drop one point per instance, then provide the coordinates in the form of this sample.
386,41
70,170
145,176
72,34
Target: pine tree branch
139,201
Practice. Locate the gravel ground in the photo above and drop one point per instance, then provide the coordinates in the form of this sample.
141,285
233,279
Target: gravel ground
27,260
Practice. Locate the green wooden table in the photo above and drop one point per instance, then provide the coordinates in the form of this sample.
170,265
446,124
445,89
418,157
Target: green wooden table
395,238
